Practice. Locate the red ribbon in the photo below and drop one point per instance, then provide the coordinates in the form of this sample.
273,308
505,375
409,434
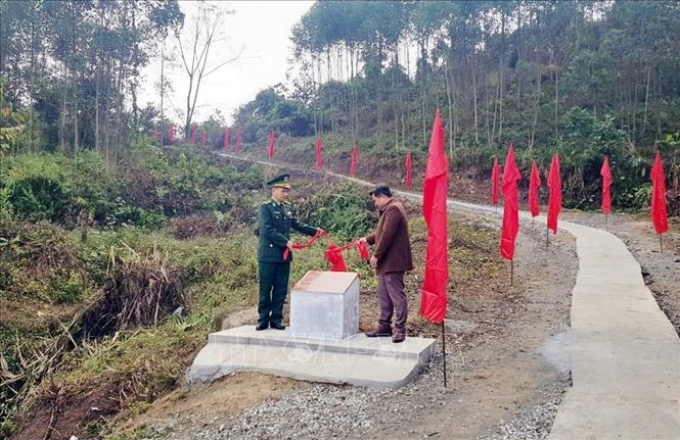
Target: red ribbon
333,252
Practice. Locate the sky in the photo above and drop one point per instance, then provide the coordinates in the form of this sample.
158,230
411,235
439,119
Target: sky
262,30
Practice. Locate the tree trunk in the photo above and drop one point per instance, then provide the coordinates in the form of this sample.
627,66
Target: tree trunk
96,108
501,83
31,114
450,106
319,129
557,101
474,100
537,104
649,78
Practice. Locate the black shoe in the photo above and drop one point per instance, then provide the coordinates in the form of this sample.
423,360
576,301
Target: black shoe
262,326
379,333
277,326
399,337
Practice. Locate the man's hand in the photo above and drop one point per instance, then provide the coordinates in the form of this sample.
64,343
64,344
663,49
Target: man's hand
320,231
362,240
289,245
374,262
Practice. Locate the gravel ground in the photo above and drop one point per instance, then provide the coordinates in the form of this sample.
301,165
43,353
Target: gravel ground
327,411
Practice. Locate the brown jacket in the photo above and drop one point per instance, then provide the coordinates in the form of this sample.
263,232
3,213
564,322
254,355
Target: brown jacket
391,240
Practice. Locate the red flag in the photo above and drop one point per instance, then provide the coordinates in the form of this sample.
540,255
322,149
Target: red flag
204,138
227,138
606,174
534,185
171,134
237,147
193,134
433,297
355,159
511,206
495,180
555,185
409,173
659,213
318,150
271,147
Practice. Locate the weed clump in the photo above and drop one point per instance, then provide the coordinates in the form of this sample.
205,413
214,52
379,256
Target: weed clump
139,293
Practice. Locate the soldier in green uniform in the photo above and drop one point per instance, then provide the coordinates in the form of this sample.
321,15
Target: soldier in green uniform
276,218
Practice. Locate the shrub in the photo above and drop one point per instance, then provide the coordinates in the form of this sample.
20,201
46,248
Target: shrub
343,212
196,225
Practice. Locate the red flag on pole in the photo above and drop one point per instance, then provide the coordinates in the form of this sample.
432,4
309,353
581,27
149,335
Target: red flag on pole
534,185
606,174
237,147
495,180
227,138
409,174
659,213
271,147
555,200
318,150
193,134
433,297
511,206
355,159
171,134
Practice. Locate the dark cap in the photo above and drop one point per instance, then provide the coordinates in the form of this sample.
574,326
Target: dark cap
282,181
381,190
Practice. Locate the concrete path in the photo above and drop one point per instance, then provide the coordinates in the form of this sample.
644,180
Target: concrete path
359,360
625,354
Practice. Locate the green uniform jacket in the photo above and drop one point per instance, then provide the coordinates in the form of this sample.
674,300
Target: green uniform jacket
276,220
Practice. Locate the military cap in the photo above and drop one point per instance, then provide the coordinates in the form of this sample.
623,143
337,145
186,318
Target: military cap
381,190
282,181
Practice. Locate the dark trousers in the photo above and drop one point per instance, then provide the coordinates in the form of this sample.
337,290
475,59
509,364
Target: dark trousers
392,298
273,289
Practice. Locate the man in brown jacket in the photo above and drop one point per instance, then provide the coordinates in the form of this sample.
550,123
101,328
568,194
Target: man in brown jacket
391,258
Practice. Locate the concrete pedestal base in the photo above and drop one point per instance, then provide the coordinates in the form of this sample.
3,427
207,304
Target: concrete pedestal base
358,360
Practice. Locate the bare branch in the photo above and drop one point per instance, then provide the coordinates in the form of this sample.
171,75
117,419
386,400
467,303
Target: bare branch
231,60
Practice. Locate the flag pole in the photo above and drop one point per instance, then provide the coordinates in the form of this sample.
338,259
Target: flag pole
444,351
661,242
605,219
547,232
512,271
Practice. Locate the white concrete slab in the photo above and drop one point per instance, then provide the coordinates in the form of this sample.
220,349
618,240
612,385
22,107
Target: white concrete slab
359,360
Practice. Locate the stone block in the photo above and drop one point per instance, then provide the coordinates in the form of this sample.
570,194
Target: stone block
325,305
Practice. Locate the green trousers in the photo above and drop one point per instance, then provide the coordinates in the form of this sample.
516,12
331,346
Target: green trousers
273,289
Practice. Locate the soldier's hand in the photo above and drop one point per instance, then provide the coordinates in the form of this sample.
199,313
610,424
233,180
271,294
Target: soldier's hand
289,245
320,231
362,240
374,262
